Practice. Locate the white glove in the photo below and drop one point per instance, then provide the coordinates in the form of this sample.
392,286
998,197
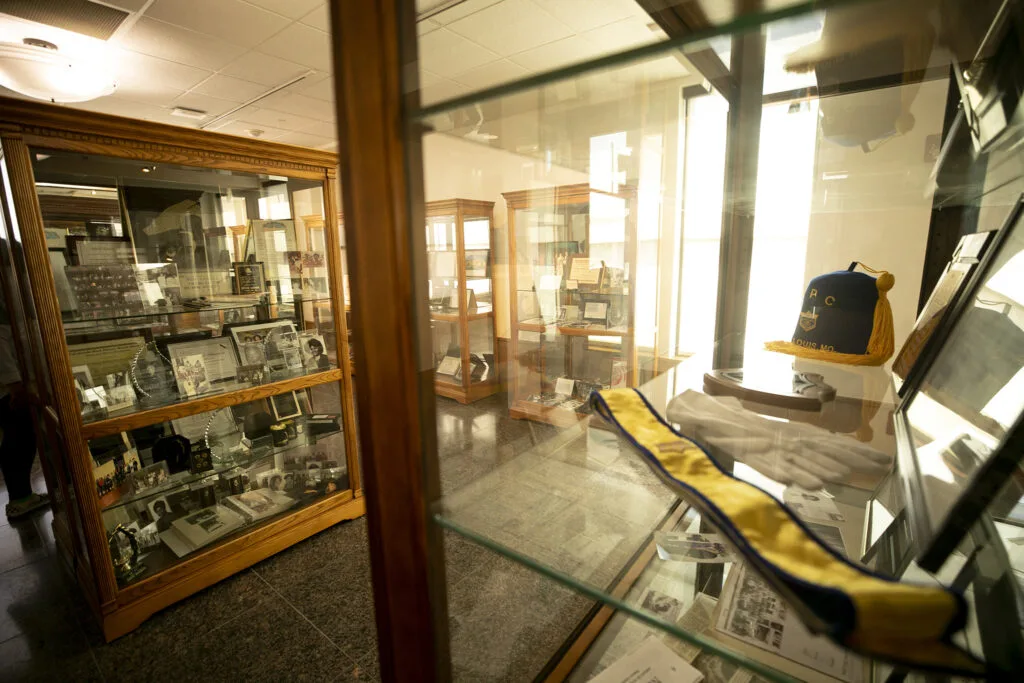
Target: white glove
788,452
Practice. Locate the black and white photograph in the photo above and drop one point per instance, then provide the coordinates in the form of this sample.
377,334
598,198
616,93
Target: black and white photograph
160,510
682,547
150,477
314,352
259,333
285,406
190,373
663,606
271,479
755,614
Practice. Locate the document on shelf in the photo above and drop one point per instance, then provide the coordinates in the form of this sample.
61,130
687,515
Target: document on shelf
652,662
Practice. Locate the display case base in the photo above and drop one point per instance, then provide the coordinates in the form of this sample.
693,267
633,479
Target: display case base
552,415
136,603
474,393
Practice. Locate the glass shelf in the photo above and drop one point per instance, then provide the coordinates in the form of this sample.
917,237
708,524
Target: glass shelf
86,323
580,507
170,395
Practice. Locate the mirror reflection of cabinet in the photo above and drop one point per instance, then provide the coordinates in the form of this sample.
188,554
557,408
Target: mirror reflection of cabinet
460,261
572,257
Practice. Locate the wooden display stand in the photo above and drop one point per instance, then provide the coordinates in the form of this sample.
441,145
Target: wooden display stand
29,286
528,362
468,307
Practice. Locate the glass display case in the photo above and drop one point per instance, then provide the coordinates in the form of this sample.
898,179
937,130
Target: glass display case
768,146
459,262
188,362
571,249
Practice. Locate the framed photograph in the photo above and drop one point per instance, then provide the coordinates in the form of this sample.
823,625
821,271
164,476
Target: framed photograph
967,256
285,406
596,312
314,352
218,354
82,375
477,262
258,333
191,376
294,259
150,477
250,278
160,510
100,251
313,259
527,305
959,428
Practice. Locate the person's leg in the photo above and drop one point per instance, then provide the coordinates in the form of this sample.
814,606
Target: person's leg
17,453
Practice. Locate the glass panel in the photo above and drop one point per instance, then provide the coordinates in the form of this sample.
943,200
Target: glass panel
183,485
178,282
973,394
656,228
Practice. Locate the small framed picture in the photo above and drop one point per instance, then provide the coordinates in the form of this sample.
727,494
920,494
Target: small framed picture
150,477
249,278
285,406
191,376
314,352
259,333
160,509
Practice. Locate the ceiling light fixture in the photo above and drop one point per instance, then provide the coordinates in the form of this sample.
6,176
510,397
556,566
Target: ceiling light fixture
189,113
36,68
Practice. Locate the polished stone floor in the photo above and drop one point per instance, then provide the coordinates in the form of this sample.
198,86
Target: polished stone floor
305,614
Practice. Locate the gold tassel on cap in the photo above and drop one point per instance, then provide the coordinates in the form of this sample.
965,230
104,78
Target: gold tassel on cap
881,344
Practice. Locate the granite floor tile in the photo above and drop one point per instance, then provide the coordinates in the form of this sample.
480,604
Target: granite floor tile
464,557
337,597
506,621
344,545
174,631
20,544
58,654
366,670
35,600
270,643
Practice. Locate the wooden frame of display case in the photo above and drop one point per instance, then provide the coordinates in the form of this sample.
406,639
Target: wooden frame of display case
78,527
565,195
460,210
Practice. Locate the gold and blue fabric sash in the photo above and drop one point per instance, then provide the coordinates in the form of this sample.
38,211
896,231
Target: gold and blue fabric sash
906,624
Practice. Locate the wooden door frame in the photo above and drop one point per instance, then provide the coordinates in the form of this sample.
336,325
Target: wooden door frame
375,70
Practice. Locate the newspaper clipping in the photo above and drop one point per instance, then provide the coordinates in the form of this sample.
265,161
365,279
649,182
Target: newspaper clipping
699,619
753,613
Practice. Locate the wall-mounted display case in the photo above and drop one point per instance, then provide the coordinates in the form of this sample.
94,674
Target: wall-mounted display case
460,264
187,351
571,252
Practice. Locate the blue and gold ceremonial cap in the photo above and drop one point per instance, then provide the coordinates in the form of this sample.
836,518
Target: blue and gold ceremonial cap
845,318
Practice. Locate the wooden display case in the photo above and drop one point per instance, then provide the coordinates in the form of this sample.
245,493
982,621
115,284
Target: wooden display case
572,252
176,297
460,263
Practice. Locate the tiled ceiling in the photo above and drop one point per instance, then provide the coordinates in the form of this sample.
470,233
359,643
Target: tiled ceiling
216,55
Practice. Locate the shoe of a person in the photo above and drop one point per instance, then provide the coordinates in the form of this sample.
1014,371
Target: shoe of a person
16,510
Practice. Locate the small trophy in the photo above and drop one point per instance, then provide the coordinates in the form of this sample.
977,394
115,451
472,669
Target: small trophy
125,554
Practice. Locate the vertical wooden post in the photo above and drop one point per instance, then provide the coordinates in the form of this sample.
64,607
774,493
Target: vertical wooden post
375,72
44,294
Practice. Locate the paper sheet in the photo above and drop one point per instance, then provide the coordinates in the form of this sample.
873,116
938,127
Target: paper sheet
652,662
